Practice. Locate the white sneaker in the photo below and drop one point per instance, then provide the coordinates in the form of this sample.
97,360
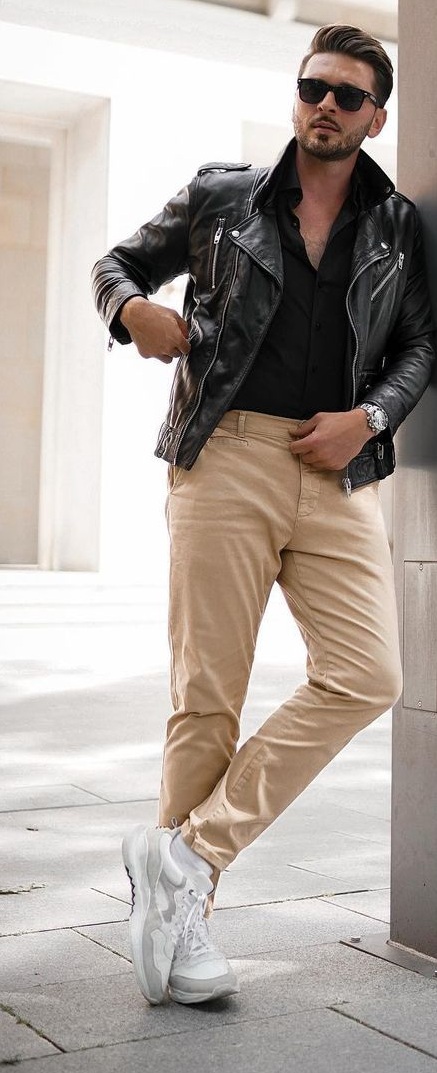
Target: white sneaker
162,900
199,971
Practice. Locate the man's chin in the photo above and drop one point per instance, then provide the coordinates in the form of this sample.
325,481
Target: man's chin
321,146
325,148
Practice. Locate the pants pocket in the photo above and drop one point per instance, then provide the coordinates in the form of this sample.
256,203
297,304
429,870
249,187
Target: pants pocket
174,474
223,436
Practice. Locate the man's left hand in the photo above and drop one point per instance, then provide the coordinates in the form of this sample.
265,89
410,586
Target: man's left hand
330,440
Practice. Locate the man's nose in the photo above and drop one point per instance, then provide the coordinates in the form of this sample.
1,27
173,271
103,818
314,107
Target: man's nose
328,103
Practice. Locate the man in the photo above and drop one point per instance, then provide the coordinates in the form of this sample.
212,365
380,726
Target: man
306,340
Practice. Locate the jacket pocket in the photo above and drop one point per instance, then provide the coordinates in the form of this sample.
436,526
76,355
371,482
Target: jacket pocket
395,267
367,380
195,333
216,239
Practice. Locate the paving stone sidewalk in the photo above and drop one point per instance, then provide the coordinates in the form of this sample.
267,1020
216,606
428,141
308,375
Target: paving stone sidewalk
79,763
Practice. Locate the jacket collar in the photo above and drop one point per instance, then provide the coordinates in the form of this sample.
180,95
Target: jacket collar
371,185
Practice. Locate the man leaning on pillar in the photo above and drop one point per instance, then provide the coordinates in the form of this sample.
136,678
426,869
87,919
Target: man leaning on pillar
306,340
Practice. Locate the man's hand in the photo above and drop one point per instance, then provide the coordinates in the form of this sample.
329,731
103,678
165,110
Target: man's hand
330,440
157,332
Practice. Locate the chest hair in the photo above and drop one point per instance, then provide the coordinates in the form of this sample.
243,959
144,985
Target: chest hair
315,226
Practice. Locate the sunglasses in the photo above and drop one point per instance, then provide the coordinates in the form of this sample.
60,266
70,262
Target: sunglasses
348,98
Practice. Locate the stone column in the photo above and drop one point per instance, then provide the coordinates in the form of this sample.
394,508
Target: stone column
414,815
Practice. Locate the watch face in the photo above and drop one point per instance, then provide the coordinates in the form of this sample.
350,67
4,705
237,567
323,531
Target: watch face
376,419
379,421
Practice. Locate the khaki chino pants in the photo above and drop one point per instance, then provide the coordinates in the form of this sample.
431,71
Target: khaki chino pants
246,515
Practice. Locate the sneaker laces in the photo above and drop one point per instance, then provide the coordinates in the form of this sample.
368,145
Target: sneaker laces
193,936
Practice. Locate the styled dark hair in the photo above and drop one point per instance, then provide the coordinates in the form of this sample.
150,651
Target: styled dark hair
355,42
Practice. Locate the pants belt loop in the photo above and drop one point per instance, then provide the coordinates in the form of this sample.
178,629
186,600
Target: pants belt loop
241,423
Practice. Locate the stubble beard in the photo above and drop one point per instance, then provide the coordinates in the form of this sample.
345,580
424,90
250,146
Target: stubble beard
323,146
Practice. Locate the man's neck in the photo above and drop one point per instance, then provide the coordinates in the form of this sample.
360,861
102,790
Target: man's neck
330,178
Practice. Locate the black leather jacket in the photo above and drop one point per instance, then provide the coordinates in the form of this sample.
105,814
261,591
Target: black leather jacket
221,229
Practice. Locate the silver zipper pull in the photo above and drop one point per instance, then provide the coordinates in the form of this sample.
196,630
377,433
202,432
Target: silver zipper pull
346,482
110,342
218,234
380,452
401,260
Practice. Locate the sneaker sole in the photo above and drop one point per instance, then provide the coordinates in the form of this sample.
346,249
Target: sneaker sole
221,991
150,961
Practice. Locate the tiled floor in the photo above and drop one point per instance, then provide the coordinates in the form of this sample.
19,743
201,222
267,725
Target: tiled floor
80,762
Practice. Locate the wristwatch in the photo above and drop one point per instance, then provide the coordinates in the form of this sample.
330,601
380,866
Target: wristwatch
377,419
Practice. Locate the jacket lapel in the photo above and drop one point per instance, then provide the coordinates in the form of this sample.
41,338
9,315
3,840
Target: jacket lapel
370,246
258,236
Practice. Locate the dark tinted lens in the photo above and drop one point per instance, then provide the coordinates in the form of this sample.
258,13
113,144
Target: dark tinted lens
312,90
349,98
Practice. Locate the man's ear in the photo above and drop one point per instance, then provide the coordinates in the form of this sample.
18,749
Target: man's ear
378,122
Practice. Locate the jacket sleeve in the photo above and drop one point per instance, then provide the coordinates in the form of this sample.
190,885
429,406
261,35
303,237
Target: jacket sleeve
153,256
410,351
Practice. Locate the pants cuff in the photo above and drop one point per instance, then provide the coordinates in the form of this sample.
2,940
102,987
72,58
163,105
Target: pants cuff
196,842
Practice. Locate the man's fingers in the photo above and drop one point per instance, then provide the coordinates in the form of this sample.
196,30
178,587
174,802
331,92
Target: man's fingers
305,428
301,446
181,349
159,332
182,324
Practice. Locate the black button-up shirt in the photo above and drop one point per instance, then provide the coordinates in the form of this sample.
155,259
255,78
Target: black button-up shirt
299,369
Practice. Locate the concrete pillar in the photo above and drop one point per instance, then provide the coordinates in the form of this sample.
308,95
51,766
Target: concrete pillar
69,521
24,185
414,817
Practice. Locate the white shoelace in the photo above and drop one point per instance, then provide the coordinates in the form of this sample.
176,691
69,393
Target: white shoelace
191,930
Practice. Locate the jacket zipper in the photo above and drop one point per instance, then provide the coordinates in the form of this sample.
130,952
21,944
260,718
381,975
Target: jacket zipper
264,333
215,249
202,381
398,265
225,306
194,323
266,325
346,482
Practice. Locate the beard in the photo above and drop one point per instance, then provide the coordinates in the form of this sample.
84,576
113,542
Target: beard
328,146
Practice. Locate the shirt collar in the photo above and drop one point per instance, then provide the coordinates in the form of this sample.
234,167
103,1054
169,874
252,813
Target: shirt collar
289,181
370,185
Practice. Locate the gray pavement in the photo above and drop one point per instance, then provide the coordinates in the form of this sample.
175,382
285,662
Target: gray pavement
84,705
